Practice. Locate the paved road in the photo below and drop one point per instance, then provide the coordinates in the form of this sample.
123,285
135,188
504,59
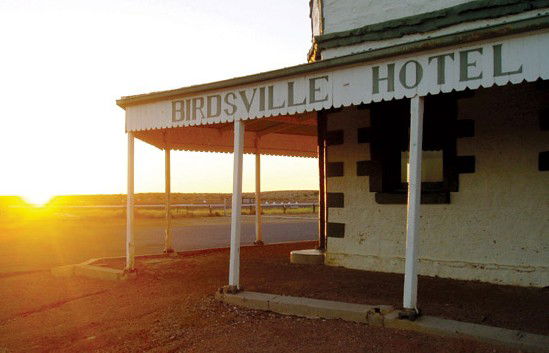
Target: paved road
43,244
188,237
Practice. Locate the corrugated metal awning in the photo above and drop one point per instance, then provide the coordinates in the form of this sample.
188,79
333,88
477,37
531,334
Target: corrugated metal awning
293,136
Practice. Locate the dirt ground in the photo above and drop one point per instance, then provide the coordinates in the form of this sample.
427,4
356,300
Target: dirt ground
170,307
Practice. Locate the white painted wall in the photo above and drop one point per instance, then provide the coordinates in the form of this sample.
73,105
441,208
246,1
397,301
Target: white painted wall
462,27
496,228
342,15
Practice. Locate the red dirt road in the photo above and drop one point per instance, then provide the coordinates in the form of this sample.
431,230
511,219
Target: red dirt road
170,307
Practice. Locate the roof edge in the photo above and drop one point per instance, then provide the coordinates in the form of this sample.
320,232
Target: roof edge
510,28
429,21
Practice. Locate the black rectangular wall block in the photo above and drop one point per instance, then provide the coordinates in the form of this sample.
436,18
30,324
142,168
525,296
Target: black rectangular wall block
373,170
334,169
542,85
336,230
431,198
336,199
367,168
364,135
543,161
465,128
465,164
334,137
544,119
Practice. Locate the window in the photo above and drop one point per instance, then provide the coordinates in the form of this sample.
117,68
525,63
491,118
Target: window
390,145
431,167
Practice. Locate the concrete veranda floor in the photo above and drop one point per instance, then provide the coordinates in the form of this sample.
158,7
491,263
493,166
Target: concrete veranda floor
171,307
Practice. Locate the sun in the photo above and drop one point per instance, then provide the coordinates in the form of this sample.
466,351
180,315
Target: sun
37,199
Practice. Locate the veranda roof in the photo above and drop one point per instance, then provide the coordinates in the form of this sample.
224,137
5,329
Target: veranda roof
280,107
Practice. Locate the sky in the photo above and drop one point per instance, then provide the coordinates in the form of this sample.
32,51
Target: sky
63,63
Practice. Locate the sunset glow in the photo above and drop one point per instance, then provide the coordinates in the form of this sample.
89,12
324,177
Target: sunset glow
62,132
37,200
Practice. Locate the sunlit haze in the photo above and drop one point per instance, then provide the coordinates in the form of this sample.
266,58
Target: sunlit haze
63,64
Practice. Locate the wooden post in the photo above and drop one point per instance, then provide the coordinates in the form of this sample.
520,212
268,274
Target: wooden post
130,234
414,198
234,265
258,228
168,240
321,135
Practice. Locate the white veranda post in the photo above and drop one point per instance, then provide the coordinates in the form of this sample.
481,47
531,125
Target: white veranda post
168,240
258,231
130,236
414,198
234,265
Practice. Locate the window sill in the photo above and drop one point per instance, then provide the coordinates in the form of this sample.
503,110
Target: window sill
401,198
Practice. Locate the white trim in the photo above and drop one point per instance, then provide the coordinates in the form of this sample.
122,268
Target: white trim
234,264
168,237
414,197
130,227
258,228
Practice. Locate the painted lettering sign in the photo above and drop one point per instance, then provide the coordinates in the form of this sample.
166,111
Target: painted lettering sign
507,61
252,100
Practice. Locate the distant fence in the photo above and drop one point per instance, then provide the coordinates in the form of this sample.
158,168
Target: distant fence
210,209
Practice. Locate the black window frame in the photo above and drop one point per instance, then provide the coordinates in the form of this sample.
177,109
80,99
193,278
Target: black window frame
390,122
